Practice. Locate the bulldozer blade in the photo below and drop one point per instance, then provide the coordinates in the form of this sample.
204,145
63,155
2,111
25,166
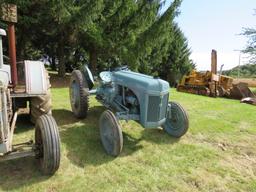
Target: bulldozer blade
249,100
240,91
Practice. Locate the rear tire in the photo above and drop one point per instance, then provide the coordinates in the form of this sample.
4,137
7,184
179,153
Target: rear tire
79,94
41,105
47,144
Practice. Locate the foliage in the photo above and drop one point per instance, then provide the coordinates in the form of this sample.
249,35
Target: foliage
104,33
178,62
244,71
250,33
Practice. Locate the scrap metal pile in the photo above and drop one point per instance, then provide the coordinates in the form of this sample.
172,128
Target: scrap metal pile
210,83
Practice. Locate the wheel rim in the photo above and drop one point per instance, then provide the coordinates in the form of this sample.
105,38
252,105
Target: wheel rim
111,134
177,125
107,134
75,94
176,120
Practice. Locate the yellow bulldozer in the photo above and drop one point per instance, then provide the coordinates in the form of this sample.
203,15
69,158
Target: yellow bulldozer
210,83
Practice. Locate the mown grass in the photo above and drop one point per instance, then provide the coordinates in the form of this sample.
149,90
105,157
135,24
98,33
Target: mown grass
217,154
253,89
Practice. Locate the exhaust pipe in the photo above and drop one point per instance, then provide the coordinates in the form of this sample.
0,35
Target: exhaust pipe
214,62
12,53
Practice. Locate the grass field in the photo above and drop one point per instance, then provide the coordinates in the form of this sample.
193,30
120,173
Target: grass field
217,154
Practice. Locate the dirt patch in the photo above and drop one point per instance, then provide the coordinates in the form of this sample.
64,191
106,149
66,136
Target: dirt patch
243,165
250,82
59,82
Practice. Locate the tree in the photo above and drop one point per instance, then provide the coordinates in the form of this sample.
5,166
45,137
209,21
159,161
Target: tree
152,45
251,47
107,33
178,62
250,33
114,34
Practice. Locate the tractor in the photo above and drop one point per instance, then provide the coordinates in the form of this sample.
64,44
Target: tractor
127,95
25,84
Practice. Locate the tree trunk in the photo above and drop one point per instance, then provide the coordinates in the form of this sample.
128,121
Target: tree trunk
52,55
53,63
93,61
61,59
171,78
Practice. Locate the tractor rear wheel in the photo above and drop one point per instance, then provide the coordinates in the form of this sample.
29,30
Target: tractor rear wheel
41,105
111,133
79,94
47,143
177,122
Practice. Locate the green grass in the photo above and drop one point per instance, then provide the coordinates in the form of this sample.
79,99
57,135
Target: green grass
253,89
217,154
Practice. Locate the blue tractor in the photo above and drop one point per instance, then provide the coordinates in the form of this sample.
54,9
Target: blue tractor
127,96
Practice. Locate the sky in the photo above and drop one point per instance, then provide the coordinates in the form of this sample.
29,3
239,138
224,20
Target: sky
216,24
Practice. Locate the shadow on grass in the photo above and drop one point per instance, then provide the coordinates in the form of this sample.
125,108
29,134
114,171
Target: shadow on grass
158,136
19,173
23,123
83,142
130,145
64,117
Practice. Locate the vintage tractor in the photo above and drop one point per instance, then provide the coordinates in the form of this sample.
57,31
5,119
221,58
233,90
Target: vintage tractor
21,84
127,96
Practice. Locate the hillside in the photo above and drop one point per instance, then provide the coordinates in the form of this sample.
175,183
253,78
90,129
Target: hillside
245,71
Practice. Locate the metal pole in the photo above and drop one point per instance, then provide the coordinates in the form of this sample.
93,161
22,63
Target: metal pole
239,62
12,53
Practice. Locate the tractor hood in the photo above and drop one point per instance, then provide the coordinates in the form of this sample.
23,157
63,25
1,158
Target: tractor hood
141,82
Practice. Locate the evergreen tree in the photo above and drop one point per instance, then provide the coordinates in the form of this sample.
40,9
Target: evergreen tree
106,33
178,62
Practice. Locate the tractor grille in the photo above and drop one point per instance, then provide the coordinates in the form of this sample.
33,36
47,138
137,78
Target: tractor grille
163,108
157,108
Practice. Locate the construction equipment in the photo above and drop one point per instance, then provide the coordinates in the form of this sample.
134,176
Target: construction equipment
210,83
128,96
22,83
205,83
198,83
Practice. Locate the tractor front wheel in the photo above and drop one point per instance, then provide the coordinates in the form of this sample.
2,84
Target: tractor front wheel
41,105
47,143
177,122
111,133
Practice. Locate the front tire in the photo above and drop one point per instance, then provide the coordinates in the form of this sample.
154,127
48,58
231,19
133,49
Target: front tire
41,105
177,122
47,144
79,94
111,133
